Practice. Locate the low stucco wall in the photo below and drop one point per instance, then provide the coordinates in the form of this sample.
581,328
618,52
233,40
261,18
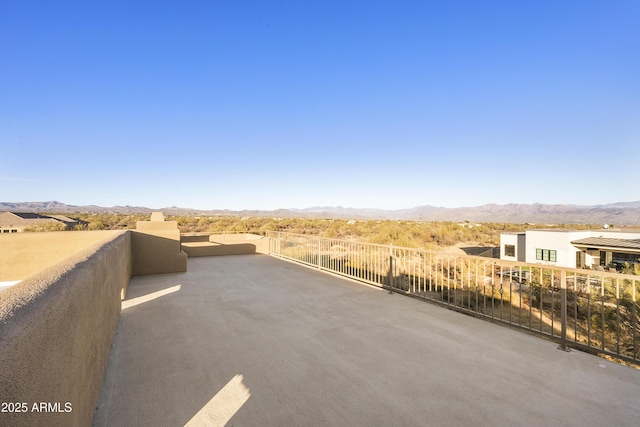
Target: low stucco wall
157,251
229,244
25,254
193,237
239,237
56,330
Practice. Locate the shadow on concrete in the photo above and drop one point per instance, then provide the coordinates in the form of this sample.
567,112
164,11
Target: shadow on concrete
157,373
156,254
477,250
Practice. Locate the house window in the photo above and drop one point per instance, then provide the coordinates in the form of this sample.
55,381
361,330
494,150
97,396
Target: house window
620,258
510,250
546,255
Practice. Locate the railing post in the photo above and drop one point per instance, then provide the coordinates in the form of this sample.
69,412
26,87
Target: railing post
391,269
279,245
563,309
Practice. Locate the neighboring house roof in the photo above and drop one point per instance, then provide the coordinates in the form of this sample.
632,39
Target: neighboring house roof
21,219
70,222
63,218
30,219
574,230
555,230
608,242
28,215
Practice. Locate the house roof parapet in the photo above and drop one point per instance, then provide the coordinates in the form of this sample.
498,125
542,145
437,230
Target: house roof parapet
608,242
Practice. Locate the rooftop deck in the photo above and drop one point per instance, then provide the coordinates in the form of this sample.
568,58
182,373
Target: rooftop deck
253,340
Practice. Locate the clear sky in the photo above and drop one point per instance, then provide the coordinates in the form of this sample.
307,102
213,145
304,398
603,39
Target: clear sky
280,104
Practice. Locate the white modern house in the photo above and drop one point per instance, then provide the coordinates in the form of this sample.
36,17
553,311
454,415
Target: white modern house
572,248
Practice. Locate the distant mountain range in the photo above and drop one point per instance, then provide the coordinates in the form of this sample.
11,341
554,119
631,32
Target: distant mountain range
623,213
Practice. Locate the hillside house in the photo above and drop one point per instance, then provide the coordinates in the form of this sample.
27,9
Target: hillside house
595,249
15,222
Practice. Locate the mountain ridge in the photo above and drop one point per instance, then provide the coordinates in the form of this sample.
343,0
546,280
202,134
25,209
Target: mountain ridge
618,213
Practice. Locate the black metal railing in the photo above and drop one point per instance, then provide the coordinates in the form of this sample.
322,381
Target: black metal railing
586,309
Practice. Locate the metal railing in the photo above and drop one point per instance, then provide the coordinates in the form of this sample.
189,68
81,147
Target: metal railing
585,309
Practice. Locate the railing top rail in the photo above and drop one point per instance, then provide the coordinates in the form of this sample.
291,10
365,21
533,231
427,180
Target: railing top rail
497,261
208,233
380,245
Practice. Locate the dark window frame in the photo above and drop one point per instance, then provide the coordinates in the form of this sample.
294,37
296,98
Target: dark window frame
509,250
546,255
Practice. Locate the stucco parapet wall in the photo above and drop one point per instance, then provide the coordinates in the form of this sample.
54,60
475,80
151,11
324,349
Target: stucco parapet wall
56,329
222,238
156,225
156,247
38,285
25,254
194,237
225,244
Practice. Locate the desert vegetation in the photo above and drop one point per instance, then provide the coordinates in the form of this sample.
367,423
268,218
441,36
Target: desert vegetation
412,234
47,226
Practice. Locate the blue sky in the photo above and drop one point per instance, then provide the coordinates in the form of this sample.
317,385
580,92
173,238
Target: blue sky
279,104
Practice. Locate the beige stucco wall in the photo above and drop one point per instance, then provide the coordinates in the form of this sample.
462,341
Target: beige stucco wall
24,254
233,237
194,237
56,328
221,244
156,248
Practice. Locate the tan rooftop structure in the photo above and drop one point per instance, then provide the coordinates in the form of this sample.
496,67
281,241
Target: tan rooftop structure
119,328
156,244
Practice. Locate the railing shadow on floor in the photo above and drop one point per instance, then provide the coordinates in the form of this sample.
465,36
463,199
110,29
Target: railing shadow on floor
585,309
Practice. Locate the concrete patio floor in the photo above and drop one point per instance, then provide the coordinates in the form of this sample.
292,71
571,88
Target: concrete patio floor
251,340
